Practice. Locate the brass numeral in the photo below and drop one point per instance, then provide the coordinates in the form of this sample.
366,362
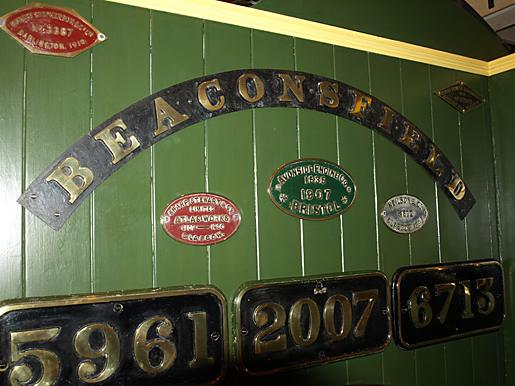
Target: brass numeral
467,312
371,296
485,283
142,347
329,310
421,312
201,357
305,338
23,373
261,319
295,322
423,308
110,351
442,288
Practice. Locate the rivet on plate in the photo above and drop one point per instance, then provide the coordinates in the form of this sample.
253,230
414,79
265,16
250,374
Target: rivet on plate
404,310
190,101
101,37
244,331
385,311
3,364
321,355
215,336
177,103
118,308
2,22
57,214
33,196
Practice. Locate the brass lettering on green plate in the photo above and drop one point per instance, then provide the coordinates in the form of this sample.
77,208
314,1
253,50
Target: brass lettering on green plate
312,189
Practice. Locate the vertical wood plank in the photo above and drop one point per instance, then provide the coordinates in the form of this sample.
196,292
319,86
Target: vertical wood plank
178,159
476,142
12,63
276,144
502,99
122,213
356,156
57,106
230,161
359,222
318,140
430,361
390,164
446,123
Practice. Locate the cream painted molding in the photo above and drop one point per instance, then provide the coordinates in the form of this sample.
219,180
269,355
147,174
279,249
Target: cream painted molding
286,25
500,65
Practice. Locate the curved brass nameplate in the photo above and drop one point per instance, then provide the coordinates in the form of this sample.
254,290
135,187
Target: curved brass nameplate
66,182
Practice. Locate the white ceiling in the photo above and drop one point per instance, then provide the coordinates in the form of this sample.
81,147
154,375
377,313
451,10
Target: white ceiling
500,16
503,22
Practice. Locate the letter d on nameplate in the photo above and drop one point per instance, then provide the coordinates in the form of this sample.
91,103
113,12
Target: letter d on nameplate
72,177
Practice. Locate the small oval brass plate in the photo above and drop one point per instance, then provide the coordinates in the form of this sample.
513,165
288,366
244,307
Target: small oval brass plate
312,189
200,219
404,214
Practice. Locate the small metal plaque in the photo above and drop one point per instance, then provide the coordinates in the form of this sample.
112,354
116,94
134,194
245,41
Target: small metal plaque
312,189
404,214
461,97
437,303
51,30
302,322
201,219
158,337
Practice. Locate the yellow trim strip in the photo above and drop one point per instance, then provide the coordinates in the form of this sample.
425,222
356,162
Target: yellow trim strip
501,65
286,25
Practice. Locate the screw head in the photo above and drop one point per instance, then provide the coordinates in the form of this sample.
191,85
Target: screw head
118,308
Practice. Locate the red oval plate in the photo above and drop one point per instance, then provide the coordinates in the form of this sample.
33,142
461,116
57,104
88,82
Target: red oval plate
51,30
201,219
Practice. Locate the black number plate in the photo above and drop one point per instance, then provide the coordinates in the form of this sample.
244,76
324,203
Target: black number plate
437,303
156,337
307,321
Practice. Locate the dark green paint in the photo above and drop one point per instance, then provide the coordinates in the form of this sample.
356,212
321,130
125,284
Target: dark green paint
438,24
115,242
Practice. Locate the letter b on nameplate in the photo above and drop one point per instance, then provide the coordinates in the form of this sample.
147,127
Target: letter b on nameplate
312,189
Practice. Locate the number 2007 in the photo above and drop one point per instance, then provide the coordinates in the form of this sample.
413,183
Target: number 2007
280,342
110,350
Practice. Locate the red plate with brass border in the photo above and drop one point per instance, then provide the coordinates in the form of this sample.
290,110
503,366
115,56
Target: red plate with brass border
201,219
51,30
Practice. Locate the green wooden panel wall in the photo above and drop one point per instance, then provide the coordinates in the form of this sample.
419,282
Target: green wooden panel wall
501,87
115,241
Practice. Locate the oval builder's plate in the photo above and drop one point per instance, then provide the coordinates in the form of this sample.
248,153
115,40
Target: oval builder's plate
312,189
